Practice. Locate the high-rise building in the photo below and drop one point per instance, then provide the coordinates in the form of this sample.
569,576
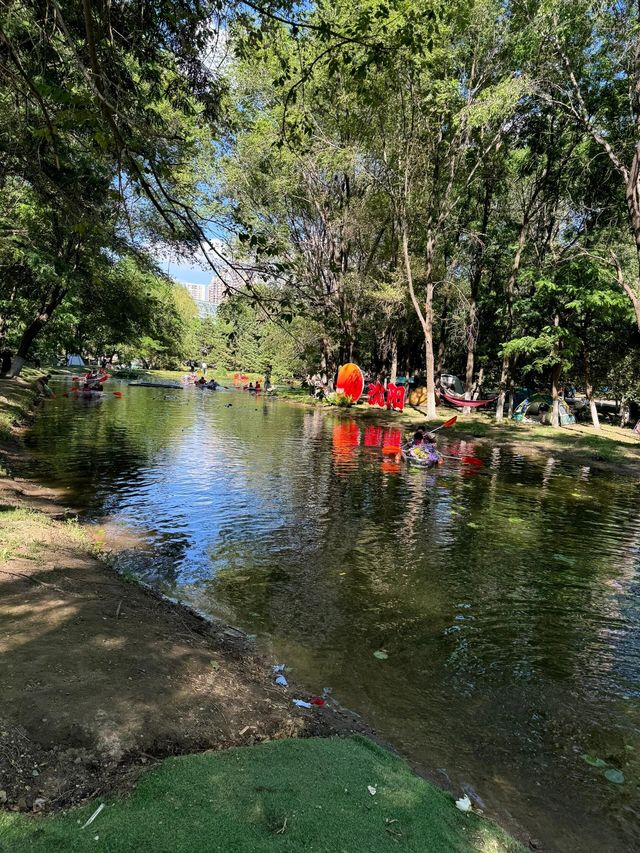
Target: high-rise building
196,291
216,291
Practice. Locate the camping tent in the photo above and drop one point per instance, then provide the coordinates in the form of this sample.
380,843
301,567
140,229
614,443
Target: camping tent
75,360
538,404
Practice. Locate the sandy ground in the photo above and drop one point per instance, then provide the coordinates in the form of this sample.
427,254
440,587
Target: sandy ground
101,677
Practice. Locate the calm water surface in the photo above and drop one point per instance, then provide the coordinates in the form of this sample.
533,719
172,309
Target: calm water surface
507,597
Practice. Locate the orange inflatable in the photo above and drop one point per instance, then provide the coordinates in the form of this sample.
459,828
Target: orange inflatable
350,381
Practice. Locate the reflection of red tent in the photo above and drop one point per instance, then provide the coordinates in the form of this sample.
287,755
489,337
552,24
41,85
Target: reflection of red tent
461,403
393,436
346,436
372,436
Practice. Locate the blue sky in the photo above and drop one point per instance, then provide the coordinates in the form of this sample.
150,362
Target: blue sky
191,273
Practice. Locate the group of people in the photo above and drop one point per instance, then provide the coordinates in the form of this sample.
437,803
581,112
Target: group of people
319,385
92,384
192,365
202,383
422,448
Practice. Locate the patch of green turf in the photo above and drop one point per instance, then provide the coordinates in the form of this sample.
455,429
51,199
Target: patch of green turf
289,796
16,401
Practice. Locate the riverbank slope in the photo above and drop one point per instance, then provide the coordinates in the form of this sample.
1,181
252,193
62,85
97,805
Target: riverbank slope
102,679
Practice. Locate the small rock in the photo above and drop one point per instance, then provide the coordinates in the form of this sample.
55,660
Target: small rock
38,804
3,797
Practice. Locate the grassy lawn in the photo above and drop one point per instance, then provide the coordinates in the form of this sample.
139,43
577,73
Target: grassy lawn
16,399
610,444
290,795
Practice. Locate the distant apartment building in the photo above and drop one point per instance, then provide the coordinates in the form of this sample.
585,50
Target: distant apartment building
225,281
195,291
198,292
216,291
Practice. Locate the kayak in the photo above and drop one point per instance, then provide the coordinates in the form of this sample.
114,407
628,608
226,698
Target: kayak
420,458
85,394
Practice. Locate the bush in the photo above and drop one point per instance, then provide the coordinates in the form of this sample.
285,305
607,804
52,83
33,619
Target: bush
342,400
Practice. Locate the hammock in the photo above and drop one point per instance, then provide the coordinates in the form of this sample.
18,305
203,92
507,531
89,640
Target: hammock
463,404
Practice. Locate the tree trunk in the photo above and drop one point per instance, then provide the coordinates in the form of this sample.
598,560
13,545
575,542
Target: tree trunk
589,391
474,287
4,325
442,344
555,394
424,315
324,355
502,395
509,293
34,328
555,377
429,358
511,398
393,372
471,353
623,412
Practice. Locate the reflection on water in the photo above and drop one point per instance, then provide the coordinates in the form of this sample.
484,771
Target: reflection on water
505,596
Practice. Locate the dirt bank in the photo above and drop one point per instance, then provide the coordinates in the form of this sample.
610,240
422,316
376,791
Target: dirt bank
100,677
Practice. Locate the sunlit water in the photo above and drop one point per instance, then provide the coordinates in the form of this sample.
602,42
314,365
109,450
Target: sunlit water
506,597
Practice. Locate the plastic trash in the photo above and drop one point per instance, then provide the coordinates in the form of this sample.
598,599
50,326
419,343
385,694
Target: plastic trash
300,703
282,681
93,816
279,667
464,804
373,791
318,701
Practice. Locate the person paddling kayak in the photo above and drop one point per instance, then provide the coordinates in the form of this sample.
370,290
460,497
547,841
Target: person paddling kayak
422,449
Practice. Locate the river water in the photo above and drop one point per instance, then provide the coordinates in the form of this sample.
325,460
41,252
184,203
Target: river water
506,598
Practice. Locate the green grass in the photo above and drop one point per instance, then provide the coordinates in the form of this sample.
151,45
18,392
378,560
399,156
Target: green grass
16,402
297,795
610,444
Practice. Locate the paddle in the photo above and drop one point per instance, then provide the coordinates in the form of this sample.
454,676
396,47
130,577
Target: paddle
466,460
446,424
